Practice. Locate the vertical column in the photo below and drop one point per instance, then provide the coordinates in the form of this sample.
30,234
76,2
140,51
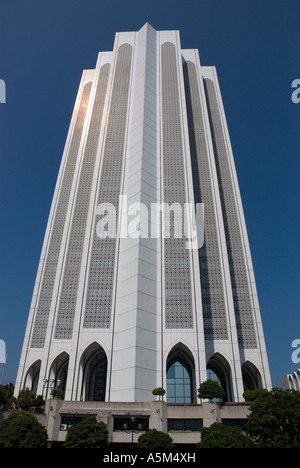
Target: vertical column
218,310
99,304
240,287
212,288
183,333
50,267
177,267
43,294
70,282
103,258
135,334
246,306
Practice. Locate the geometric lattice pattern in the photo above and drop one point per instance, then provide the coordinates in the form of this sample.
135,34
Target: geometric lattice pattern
238,269
177,277
51,261
212,290
69,290
98,307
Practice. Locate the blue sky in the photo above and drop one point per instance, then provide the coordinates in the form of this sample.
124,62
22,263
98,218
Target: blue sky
254,45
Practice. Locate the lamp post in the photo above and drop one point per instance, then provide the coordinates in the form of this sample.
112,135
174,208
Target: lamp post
47,383
139,427
132,419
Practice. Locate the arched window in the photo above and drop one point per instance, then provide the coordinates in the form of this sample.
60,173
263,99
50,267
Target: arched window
179,383
216,376
251,376
32,376
96,380
58,374
95,370
218,369
35,382
61,377
180,377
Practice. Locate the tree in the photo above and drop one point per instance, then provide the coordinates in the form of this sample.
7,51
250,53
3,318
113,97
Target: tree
159,391
25,399
274,420
155,439
38,401
87,433
57,393
219,436
210,389
251,395
4,396
22,430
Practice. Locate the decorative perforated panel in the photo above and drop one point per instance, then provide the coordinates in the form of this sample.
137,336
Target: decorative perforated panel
237,264
50,267
69,290
102,263
177,274
213,303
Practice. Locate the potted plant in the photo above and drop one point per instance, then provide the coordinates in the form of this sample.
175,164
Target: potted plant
57,393
160,392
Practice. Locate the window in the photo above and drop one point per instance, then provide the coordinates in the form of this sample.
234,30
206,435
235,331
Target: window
131,423
179,388
235,422
69,420
193,425
212,375
96,377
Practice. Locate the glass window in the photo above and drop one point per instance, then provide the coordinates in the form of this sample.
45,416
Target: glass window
179,389
69,420
213,376
235,422
248,380
96,377
193,425
61,378
131,424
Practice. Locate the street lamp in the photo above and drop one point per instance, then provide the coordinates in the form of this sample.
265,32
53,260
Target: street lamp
139,427
47,383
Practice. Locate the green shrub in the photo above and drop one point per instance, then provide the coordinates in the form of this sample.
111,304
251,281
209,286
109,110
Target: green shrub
155,439
219,436
87,433
22,430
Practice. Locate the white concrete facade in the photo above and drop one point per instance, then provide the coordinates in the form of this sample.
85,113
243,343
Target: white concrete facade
108,303
291,381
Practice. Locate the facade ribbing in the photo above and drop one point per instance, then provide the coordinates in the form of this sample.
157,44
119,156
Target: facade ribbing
112,315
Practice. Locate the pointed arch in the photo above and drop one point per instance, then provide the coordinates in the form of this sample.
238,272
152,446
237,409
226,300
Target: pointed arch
32,376
180,367
295,380
94,373
218,369
251,376
59,371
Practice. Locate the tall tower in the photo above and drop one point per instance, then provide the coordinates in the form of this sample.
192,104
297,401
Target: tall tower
118,311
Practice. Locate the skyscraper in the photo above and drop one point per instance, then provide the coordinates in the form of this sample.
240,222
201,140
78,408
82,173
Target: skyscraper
120,305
